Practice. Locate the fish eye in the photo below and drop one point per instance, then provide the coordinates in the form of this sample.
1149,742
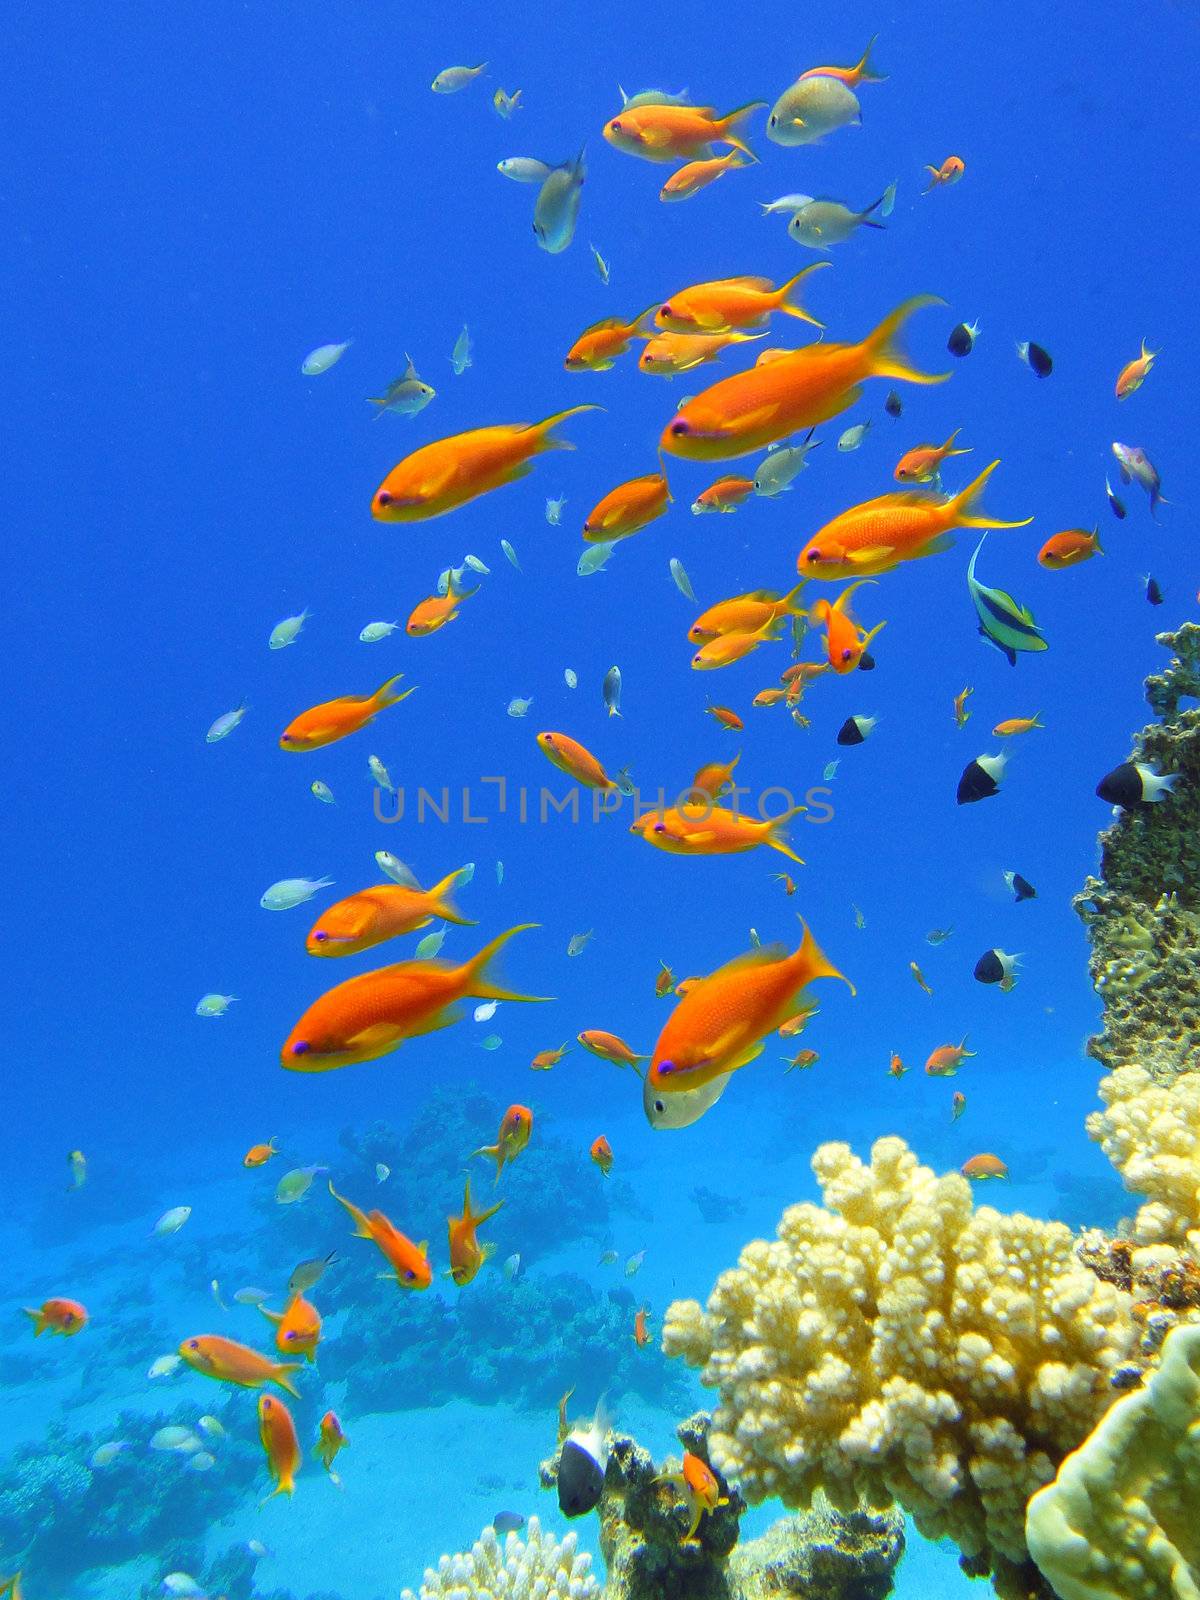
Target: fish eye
383,498
660,827
813,555
301,1047
193,1344
409,1274
666,1066
658,1106
679,428
616,124
320,937
847,655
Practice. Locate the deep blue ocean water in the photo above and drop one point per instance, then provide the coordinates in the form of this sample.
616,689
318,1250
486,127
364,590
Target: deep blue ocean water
196,197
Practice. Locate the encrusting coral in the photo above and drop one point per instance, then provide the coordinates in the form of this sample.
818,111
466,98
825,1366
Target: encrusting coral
1151,1134
536,1567
1122,1519
903,1345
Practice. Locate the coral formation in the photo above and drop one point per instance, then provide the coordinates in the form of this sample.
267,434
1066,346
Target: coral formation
821,1554
1121,1521
1150,1131
904,1345
535,1567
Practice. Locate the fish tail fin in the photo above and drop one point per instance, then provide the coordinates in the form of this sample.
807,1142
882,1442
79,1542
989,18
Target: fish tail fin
777,837
361,1230
784,294
864,70
969,513
38,1319
885,357
387,695
1096,545
816,963
497,1155
730,121
948,448
280,1374
840,603
477,1218
874,633
819,612
788,603
445,908
480,987
548,424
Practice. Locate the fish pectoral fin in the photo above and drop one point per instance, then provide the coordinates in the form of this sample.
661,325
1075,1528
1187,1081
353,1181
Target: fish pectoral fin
272,1316
755,419
440,1019
694,840
713,321
943,541
382,1037
751,1054
869,553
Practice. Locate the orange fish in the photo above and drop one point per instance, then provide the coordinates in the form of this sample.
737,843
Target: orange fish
467,1255
609,1047
802,1060
1070,549
515,1127
896,1067
297,1329
727,304
880,534
861,72
666,355
675,133
947,1058
723,1022
601,1154
801,388
700,1489
259,1154
546,1059
984,1166
336,719
723,496
408,1261
745,613
728,648
597,347
330,1439
61,1316
448,473
728,719
715,777
278,1434
230,1362
689,179
1133,374
950,171
383,911
958,1104
961,715
1015,725
374,1013
570,757
769,697
627,509
664,983
703,829
923,463
789,883
919,976
641,1333
436,610
845,641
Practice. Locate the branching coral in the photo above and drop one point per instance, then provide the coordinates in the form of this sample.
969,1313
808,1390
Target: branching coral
903,1345
534,1568
1151,1134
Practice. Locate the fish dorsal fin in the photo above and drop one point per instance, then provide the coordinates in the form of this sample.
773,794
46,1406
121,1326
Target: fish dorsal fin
750,281
762,956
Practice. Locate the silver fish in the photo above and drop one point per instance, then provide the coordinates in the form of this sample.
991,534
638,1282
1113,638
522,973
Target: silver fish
776,471
451,79
460,356
682,582
602,267
1136,466
524,169
853,437
595,557
612,691
810,109
405,395
557,208
822,223
310,1272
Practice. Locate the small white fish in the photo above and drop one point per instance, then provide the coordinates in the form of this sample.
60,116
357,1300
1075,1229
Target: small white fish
251,1296
216,1294
374,631
224,725
288,631
214,1005
492,1042
431,943
164,1366
294,1185
460,356
382,1172
465,875
557,208
499,872
779,467
570,678
506,104
831,770
510,553
106,1453
291,892
633,1265
853,437
171,1221
321,791
175,1438
682,582
451,79
202,1461
787,204
380,774
77,1162
257,1548
485,1012
602,267
578,942
524,169
889,198
476,565
396,869
518,707
554,510
610,691
406,395
595,557
183,1585
323,357
512,1266
212,1426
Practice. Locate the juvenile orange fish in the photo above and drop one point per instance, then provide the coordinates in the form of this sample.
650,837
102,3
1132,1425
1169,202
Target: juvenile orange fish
728,719
609,1047
601,1154
984,1166
724,496
728,648
641,1333
666,355
374,1013
330,1439
569,756
408,1261
436,610
467,1255
700,1489
861,72
230,1362
961,715
278,1434
516,1125
794,392
664,983
545,1059
1070,549
337,719
789,883
450,472
801,1061
597,347
744,613
947,1058
715,777
722,1023
896,1067
384,911
297,1329
769,697
880,534
923,463
61,1316
627,509
1015,725
689,179
1133,375
958,1104
845,641
950,171
704,829
727,304
259,1154
675,133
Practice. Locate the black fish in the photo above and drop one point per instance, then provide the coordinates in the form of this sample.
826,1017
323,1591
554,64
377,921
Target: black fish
994,966
1115,505
1133,784
892,405
962,339
866,662
854,730
1036,358
1153,593
582,1463
1021,887
980,779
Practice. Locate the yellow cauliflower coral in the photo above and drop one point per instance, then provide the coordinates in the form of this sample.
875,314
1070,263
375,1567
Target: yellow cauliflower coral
1151,1134
902,1344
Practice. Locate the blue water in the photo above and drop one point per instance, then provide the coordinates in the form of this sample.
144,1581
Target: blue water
193,200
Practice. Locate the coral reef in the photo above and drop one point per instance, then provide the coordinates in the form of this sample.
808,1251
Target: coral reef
1121,1521
1150,1131
535,1567
821,1554
902,1345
